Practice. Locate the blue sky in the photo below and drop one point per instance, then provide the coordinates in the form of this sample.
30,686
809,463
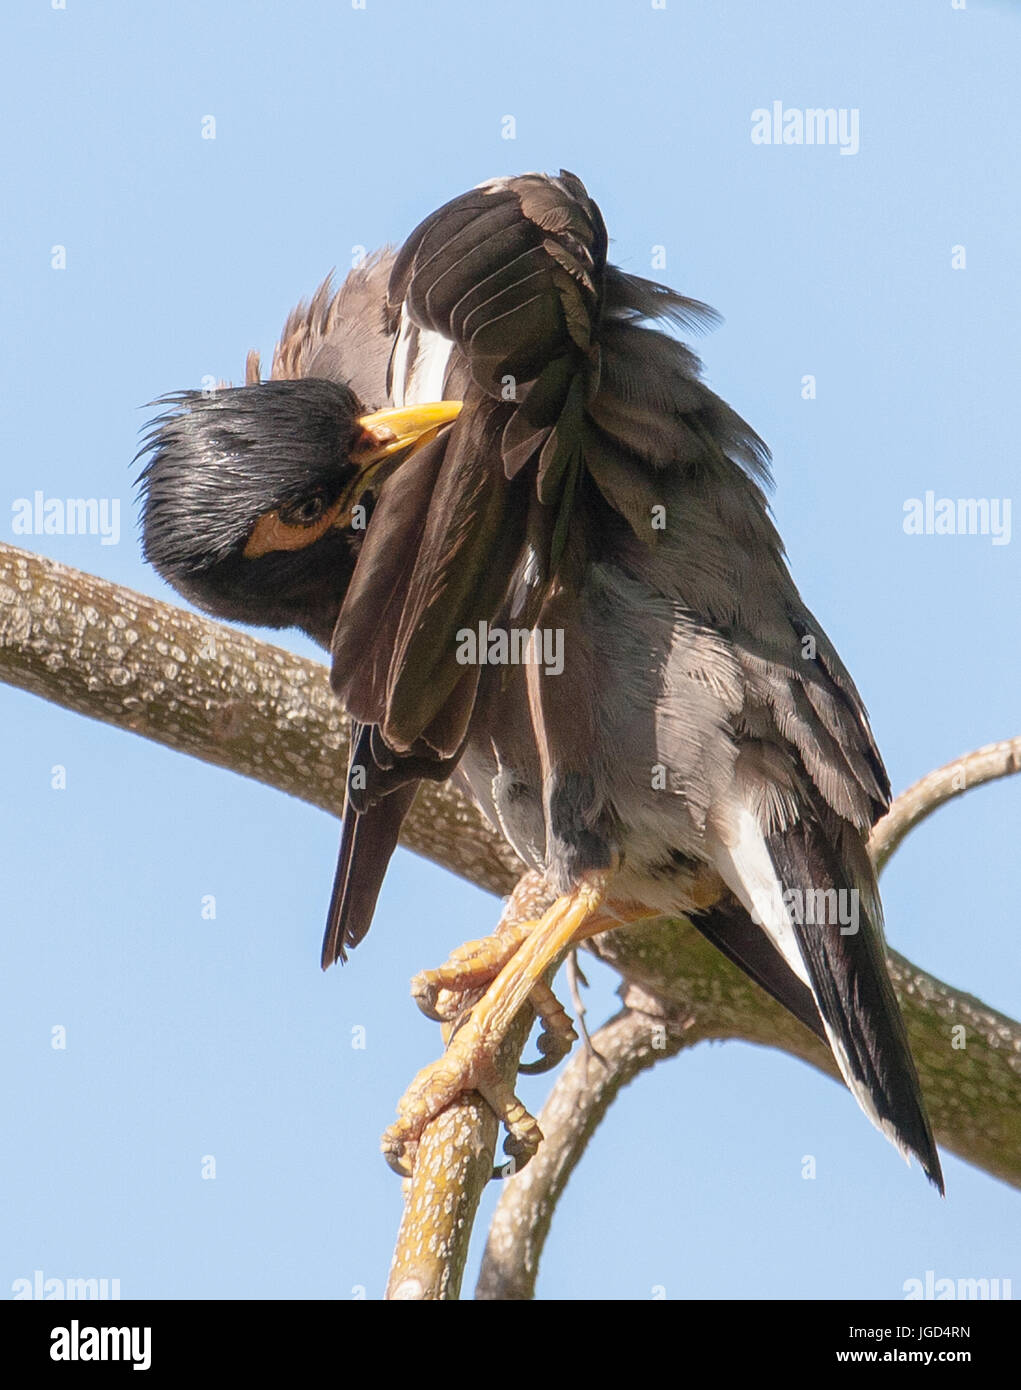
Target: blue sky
338,128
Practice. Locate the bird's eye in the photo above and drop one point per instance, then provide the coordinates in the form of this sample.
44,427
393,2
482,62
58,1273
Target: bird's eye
304,513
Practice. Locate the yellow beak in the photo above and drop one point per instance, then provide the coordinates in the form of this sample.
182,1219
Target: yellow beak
387,432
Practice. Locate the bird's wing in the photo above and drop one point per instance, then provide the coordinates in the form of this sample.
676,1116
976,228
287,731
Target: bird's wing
846,966
368,840
514,273
730,929
445,533
790,831
381,781
791,840
557,378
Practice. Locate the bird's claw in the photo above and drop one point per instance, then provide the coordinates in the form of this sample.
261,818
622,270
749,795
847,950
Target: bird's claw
439,1003
483,986
553,1053
558,1035
465,1066
426,993
400,1155
441,994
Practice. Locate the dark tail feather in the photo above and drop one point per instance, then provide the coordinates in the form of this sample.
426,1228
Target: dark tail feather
732,931
368,840
854,994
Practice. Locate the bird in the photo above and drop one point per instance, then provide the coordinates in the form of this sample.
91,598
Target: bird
568,595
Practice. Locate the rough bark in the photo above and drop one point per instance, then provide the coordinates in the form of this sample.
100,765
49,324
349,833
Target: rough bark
212,692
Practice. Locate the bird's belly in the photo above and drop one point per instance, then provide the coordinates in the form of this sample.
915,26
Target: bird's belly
661,853
637,793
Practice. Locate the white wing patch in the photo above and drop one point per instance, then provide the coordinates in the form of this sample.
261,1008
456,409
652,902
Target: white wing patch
428,369
744,864
399,361
419,379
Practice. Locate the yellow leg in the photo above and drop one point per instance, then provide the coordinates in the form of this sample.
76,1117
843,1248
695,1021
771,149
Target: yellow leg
468,1063
443,994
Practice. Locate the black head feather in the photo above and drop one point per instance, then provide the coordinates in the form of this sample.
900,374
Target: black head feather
218,462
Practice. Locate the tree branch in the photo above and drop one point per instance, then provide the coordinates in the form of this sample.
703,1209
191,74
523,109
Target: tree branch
219,695
453,1165
211,692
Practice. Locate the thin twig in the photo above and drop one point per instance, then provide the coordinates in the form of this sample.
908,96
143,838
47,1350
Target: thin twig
935,789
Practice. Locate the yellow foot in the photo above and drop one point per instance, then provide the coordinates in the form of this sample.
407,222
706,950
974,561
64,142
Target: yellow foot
526,952
439,1085
447,994
443,994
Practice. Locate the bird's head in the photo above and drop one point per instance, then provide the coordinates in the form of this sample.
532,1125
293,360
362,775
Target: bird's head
250,495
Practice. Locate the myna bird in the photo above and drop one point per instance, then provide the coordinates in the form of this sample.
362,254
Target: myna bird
572,597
